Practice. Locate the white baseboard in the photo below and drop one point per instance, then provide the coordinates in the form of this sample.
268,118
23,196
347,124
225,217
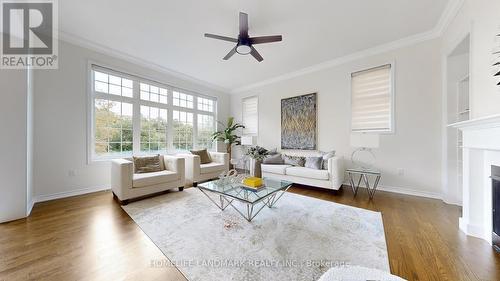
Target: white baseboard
64,194
407,191
30,207
452,201
474,230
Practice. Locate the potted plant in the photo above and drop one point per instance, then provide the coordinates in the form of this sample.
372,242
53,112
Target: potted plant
258,154
228,135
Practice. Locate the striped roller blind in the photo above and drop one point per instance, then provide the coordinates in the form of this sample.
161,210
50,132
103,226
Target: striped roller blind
371,108
251,115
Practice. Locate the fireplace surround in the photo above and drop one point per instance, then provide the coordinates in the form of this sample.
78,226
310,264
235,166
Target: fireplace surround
481,151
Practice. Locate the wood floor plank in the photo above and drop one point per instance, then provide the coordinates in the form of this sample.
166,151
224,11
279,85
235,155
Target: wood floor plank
90,237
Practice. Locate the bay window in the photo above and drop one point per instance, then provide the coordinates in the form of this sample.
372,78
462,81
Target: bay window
134,116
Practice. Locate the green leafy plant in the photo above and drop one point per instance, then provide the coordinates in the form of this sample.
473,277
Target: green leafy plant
228,135
258,153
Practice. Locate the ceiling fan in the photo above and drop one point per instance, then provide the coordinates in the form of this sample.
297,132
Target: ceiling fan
244,43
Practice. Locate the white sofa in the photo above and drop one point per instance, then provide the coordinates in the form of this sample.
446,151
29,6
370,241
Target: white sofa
127,185
197,172
332,178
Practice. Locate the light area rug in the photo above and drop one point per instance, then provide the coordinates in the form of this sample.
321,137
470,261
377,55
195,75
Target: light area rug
299,239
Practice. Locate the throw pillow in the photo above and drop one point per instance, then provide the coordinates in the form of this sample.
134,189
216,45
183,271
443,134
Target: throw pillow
147,164
326,156
314,163
204,156
274,159
294,160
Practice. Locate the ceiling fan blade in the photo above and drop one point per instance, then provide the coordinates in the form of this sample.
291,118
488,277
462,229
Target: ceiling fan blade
234,40
265,39
230,54
243,24
256,54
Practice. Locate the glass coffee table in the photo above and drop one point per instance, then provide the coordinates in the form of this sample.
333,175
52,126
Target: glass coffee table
253,201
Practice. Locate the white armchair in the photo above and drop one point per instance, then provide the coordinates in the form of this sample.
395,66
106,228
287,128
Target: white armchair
197,172
127,185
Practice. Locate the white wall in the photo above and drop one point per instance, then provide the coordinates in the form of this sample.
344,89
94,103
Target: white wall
13,144
482,19
61,121
415,145
30,144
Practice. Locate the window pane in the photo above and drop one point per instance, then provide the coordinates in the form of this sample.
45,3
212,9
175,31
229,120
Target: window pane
112,84
163,99
101,87
127,135
127,83
182,100
206,127
153,93
99,76
153,97
183,130
113,129
101,148
127,147
153,129
115,80
127,92
115,90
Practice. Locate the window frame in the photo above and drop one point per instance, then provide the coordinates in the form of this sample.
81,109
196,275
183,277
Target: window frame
392,129
137,102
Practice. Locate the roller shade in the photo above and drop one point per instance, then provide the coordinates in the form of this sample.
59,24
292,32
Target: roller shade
251,115
371,107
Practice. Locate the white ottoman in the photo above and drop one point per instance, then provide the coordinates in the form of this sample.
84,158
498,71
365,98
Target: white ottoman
357,273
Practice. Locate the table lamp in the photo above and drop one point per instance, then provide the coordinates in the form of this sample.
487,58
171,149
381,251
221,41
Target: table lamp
363,155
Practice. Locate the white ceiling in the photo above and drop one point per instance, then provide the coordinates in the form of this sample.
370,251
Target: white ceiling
170,33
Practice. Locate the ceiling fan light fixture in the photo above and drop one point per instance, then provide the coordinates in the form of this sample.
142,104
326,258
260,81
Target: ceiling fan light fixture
243,49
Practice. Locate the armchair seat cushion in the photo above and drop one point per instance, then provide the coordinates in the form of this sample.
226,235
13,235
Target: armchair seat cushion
274,169
154,178
212,168
308,173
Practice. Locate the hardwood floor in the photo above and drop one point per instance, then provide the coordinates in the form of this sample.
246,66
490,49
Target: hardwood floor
91,238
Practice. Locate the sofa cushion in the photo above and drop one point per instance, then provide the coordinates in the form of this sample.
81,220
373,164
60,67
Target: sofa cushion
314,163
211,168
294,160
274,169
147,164
308,173
204,156
154,178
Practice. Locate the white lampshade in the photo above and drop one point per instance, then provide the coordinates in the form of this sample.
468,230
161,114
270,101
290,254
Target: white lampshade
365,140
248,140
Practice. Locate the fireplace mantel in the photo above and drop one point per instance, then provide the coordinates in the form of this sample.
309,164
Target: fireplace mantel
492,121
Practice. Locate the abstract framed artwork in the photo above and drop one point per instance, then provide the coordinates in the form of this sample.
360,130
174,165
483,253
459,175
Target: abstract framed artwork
298,122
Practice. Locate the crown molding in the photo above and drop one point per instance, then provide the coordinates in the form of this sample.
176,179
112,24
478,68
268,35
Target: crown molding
82,42
408,41
450,12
